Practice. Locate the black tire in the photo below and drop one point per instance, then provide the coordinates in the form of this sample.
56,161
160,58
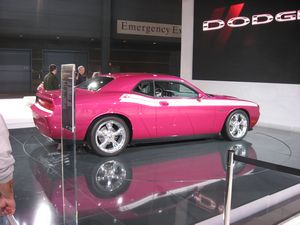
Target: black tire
109,136
236,126
109,178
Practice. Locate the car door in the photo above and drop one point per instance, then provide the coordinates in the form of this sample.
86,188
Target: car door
144,124
171,117
181,112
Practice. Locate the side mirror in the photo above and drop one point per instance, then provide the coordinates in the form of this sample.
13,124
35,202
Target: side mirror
200,96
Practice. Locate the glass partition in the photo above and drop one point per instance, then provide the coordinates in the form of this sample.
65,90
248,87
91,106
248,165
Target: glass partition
68,154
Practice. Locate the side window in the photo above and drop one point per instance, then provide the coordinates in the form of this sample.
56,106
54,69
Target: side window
173,89
145,87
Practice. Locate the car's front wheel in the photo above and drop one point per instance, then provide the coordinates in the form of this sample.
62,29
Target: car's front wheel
109,136
236,126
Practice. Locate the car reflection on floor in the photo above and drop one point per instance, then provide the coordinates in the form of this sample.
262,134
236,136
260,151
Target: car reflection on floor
139,183
171,183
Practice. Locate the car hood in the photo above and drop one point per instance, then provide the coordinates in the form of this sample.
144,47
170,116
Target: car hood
221,97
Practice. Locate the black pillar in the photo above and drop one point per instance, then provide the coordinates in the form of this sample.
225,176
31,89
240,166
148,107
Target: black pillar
105,38
174,63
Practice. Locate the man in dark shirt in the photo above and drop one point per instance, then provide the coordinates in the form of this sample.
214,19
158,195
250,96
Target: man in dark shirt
50,80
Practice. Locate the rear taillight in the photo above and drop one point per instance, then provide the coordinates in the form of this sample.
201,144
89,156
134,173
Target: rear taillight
46,104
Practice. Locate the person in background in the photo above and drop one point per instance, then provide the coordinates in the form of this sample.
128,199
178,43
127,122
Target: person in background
50,80
80,76
7,201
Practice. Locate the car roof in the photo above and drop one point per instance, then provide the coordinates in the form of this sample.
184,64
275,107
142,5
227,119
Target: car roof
143,76
127,81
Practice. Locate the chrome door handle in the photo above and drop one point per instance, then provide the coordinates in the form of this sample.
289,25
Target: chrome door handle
164,103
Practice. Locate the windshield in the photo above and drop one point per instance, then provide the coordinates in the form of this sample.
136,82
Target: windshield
95,83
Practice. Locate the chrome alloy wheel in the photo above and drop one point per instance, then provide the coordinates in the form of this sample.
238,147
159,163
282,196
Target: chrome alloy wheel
110,176
239,150
238,125
110,136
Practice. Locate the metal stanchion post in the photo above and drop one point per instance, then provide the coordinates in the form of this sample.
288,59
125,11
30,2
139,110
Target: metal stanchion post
11,219
229,180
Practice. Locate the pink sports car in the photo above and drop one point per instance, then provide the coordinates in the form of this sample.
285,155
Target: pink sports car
117,109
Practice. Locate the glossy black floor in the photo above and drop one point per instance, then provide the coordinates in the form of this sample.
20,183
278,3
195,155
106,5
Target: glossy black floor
169,183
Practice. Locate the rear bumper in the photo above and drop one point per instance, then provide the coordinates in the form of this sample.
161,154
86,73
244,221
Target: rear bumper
46,123
49,124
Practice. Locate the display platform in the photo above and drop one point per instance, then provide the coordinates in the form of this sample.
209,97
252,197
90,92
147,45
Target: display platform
163,183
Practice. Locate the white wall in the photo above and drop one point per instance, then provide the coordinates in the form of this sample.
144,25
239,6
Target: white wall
279,103
187,30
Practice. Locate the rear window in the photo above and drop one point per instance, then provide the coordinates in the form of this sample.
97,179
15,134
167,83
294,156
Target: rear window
94,84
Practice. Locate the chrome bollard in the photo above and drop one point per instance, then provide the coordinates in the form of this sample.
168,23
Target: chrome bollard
229,180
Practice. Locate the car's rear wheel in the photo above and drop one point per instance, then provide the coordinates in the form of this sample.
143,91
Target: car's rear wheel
109,178
236,126
109,136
